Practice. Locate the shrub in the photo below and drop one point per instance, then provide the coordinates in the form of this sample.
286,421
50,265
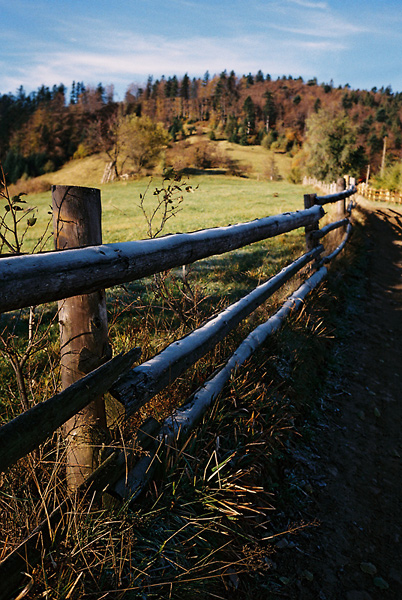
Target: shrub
294,175
271,170
269,139
81,152
30,186
391,179
203,155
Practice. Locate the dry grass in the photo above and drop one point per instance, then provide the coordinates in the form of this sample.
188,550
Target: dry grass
204,525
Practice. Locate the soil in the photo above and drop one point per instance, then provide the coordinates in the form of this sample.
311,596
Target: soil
352,468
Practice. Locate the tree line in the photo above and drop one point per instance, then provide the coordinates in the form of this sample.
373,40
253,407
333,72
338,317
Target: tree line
41,131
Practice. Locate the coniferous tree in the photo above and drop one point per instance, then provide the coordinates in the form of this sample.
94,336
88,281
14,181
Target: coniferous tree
174,88
269,110
249,119
72,94
185,87
259,78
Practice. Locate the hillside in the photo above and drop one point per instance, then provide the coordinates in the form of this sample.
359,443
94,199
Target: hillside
44,130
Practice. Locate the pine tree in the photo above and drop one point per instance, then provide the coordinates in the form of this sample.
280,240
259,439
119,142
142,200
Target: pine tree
259,78
185,87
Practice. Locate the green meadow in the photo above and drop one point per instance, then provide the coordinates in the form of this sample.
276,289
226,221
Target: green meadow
215,201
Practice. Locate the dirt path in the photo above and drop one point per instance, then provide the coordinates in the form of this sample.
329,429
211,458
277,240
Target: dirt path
355,470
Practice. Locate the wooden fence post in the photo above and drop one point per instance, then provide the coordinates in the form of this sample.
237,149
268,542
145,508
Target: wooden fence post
83,328
311,242
341,204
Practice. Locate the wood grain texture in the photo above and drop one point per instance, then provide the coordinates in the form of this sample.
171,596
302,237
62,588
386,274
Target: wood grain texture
38,278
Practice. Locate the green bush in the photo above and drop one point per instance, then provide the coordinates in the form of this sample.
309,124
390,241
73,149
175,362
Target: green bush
391,179
295,175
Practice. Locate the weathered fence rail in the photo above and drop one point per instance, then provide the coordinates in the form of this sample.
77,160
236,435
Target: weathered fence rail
184,418
381,195
34,279
30,429
363,188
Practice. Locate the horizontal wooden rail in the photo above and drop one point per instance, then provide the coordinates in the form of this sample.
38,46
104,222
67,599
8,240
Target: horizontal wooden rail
33,279
341,246
320,233
188,415
381,195
24,433
321,200
149,378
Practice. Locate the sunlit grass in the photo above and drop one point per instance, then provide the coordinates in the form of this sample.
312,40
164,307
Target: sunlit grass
216,201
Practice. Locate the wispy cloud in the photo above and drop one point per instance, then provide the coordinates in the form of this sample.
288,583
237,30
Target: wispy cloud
128,57
325,28
321,21
71,41
309,4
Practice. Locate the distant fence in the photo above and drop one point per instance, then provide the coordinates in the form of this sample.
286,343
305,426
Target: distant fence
328,188
365,190
63,275
371,193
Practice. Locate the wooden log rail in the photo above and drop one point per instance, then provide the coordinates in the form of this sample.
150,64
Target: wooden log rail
149,378
34,426
184,418
341,246
33,279
380,195
134,387
321,200
320,233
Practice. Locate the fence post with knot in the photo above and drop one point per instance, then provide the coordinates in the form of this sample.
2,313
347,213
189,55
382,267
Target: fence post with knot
83,329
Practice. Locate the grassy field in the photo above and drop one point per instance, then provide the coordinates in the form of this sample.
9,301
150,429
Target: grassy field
217,200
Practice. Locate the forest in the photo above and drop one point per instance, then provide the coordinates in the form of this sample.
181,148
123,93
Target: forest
323,127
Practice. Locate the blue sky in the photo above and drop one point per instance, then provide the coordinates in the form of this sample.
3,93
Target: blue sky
121,42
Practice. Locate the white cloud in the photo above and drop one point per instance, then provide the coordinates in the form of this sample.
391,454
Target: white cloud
129,57
308,4
299,37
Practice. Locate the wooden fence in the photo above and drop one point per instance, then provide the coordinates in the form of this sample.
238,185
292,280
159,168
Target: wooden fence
371,193
34,279
365,190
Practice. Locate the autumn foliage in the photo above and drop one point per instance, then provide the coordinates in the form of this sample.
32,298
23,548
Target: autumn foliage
41,131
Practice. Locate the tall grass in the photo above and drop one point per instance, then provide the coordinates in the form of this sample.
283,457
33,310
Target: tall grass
204,524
